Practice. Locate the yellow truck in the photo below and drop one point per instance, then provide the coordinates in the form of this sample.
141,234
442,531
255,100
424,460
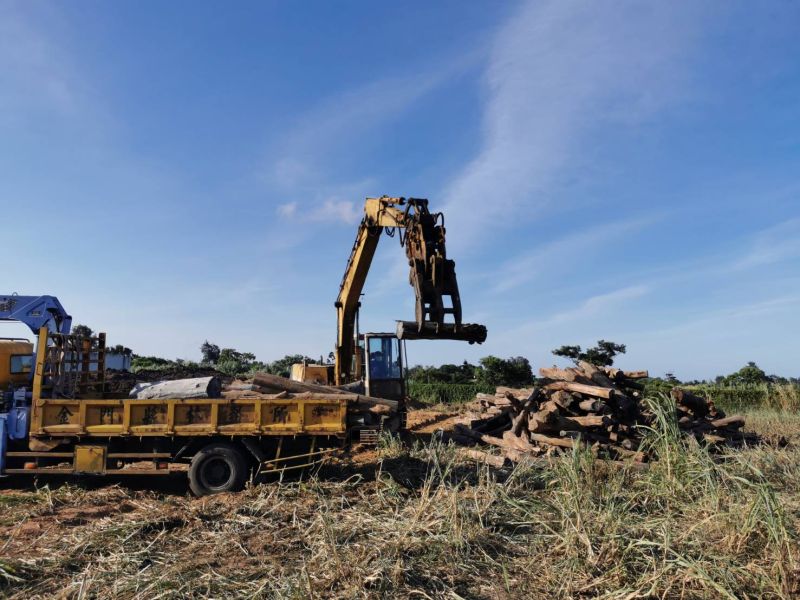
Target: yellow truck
68,424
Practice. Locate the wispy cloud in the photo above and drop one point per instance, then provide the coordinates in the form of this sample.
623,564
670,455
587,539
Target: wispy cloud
538,262
36,75
772,245
594,306
721,318
307,155
332,203
308,164
558,70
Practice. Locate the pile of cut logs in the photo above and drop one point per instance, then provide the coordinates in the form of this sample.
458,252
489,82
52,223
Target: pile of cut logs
601,407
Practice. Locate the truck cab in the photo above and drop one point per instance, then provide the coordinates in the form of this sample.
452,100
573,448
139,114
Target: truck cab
16,363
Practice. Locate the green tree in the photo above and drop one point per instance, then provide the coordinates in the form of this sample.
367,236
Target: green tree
448,373
232,362
283,366
140,363
749,374
82,330
602,354
513,372
210,353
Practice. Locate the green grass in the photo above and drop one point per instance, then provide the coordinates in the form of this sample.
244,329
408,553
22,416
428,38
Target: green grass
446,393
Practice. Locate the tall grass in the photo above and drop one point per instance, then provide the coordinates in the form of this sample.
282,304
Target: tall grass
783,397
423,522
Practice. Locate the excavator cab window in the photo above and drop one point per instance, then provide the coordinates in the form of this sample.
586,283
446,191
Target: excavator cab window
384,362
21,363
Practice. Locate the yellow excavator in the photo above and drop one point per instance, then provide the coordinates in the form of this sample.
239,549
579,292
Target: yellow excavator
377,359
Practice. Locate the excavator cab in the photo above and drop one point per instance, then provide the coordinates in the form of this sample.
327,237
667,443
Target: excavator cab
384,369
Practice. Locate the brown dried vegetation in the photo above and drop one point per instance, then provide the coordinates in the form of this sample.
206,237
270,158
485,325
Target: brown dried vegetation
426,522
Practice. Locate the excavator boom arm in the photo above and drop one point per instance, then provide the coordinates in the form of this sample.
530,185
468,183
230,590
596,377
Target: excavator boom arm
432,275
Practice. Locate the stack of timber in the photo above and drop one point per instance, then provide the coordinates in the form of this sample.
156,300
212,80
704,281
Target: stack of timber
600,407
266,384
263,385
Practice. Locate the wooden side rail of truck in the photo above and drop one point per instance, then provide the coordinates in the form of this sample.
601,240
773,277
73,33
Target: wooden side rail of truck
71,425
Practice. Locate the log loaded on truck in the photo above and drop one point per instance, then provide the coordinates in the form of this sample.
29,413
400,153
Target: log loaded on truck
58,417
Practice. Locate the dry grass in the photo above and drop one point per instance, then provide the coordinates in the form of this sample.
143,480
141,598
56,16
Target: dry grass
423,523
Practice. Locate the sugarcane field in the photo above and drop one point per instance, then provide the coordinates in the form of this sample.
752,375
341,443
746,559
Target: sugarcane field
358,300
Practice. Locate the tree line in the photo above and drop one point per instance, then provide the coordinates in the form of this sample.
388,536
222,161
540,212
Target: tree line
515,371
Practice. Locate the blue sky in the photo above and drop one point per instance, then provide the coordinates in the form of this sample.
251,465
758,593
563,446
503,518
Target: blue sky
621,170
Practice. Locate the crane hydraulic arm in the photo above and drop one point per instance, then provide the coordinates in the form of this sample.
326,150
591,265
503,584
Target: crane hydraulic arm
432,275
36,312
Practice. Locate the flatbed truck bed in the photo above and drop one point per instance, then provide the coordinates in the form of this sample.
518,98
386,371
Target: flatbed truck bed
224,441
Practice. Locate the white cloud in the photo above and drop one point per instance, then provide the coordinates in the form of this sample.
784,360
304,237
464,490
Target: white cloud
344,211
287,210
332,204
558,69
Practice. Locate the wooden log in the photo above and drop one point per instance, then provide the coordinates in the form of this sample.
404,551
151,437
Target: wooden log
613,373
594,406
544,419
501,420
568,374
267,380
624,404
562,398
638,457
594,374
520,421
486,439
556,373
515,402
279,383
589,390
356,399
199,387
588,421
518,393
518,443
734,422
636,374
552,441
696,404
484,457
240,387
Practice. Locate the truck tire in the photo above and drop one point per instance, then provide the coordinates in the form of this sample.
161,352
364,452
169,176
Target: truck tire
217,468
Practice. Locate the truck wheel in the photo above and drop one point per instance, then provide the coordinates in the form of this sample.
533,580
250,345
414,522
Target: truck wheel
217,468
